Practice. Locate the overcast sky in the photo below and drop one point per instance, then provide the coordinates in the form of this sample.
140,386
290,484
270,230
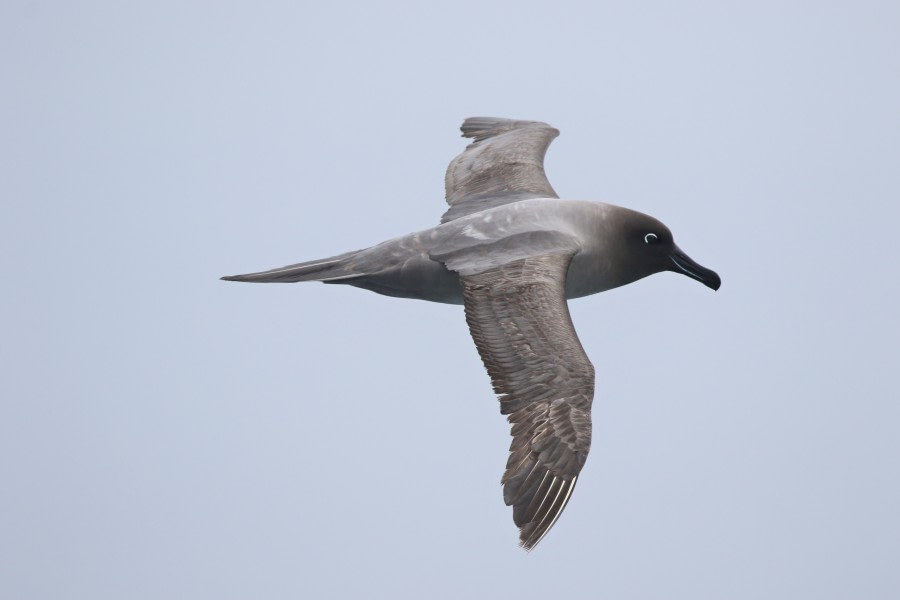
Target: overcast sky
164,434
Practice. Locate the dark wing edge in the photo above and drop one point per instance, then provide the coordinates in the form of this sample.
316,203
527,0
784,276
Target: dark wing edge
504,164
519,319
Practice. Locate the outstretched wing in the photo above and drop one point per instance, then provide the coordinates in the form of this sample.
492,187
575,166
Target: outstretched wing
519,319
504,164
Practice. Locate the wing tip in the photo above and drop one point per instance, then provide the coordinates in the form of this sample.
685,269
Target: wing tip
482,128
531,533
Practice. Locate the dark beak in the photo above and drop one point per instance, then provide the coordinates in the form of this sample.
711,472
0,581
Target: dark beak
684,264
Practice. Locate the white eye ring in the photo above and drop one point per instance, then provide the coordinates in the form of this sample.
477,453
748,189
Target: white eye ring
650,238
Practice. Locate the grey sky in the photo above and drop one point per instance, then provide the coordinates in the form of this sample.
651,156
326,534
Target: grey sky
167,435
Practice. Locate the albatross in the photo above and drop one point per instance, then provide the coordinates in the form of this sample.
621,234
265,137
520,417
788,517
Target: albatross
512,253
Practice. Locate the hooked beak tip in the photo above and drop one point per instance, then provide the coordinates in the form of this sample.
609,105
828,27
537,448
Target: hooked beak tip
686,266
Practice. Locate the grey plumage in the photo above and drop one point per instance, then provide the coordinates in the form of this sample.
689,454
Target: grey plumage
504,164
512,253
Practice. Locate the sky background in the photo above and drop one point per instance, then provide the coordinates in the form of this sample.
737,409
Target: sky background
164,434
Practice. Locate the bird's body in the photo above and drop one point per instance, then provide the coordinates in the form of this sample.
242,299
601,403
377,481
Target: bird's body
513,253
409,266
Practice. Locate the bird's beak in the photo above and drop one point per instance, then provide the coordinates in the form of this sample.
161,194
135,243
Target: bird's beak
684,264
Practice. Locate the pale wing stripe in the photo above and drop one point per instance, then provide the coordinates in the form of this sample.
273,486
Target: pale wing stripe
558,512
555,498
537,490
546,495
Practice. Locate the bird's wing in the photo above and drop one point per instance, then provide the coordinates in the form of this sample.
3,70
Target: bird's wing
519,319
504,164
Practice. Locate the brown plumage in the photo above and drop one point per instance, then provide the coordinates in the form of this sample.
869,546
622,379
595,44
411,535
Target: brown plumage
519,319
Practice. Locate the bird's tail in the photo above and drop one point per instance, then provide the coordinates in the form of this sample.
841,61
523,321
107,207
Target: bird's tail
332,269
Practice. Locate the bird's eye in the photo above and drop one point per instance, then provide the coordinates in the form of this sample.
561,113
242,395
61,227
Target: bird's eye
651,238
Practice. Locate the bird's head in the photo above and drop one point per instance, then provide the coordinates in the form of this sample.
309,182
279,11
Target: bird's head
645,246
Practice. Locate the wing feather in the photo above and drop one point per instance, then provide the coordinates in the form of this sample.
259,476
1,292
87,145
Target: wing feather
518,317
504,164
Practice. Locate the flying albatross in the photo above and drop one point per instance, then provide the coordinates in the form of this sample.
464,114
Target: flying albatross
511,252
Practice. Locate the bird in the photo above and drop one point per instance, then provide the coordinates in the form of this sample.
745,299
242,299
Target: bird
512,253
